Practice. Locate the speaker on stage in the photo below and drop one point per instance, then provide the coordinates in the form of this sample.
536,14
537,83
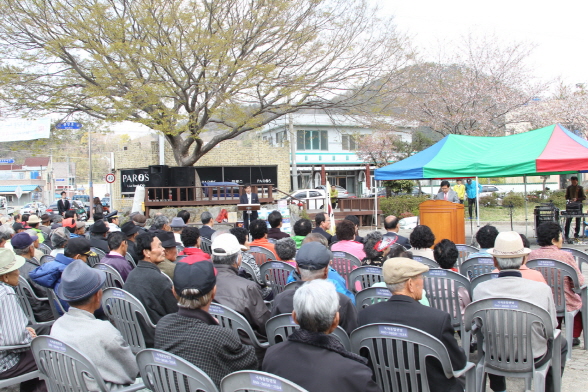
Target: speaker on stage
183,176
158,176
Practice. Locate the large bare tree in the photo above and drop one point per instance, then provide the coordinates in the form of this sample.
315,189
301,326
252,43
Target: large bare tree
184,67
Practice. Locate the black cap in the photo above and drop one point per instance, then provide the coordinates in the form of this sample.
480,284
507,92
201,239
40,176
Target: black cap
129,228
168,240
79,246
17,226
313,256
99,227
112,214
199,276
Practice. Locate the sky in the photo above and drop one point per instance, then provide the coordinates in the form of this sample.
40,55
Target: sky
556,28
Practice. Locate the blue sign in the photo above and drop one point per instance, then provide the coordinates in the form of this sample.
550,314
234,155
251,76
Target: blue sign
6,160
69,125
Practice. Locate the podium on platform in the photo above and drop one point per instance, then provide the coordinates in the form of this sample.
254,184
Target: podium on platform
445,219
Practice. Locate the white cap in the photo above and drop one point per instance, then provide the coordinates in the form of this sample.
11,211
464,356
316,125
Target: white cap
225,244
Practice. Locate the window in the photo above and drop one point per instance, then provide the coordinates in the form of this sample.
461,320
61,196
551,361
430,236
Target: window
312,140
314,194
348,142
281,137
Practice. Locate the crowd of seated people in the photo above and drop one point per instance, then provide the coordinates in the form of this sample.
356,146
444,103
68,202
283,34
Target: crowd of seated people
178,293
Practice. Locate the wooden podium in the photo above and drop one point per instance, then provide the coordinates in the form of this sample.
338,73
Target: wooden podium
445,219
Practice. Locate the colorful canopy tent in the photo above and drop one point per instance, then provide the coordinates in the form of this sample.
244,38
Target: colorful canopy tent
549,150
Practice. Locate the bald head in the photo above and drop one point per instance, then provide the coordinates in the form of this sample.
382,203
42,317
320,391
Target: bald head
391,223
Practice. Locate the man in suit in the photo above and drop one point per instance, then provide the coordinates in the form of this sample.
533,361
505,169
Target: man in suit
447,193
248,198
323,223
404,278
63,204
391,226
206,230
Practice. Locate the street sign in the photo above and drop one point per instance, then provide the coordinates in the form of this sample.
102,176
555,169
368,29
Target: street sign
110,178
18,191
69,125
6,160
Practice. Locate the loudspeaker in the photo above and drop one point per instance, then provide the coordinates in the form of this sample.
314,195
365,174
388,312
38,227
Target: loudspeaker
158,176
182,176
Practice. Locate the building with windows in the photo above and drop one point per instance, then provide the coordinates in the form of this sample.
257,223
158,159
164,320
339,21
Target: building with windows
329,140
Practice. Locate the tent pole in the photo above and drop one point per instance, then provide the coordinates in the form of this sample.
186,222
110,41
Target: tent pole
376,204
477,203
526,219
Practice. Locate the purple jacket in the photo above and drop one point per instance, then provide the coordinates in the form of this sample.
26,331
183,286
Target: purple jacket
119,263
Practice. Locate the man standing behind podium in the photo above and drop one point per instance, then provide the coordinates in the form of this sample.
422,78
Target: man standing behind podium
447,193
248,198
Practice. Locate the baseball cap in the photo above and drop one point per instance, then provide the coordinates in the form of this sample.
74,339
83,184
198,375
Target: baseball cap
400,269
198,276
80,246
313,256
225,245
69,222
21,240
17,226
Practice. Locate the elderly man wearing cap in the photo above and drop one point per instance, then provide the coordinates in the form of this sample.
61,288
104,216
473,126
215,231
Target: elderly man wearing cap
313,261
177,225
22,244
13,326
404,279
193,334
113,222
59,239
49,274
206,230
34,222
191,241
35,237
312,357
509,255
168,241
98,340
45,225
237,293
117,243
98,233
78,230
131,231
148,284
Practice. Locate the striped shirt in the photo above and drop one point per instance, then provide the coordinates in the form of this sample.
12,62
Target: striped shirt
13,324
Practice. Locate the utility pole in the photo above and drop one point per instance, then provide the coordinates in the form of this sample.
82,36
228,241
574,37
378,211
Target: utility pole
90,183
293,152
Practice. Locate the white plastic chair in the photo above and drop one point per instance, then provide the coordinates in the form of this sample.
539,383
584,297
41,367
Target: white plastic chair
254,381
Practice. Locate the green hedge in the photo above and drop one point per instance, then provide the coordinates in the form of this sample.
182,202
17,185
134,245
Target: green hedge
401,205
515,199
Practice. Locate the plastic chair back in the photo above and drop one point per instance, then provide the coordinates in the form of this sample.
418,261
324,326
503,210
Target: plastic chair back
229,319
505,327
464,252
275,274
46,259
8,382
130,260
93,260
371,296
398,354
55,304
255,381
442,291
24,294
127,314
64,368
279,327
426,261
344,263
363,277
581,257
481,278
165,372
261,255
46,249
205,244
113,278
247,268
476,266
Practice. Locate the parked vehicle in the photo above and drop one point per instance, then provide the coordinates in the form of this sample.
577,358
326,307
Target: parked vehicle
80,209
35,207
4,208
105,204
52,209
488,190
408,223
315,198
342,191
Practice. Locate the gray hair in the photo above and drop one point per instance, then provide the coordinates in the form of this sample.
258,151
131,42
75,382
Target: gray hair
315,237
285,248
159,221
219,232
6,232
226,260
509,263
205,217
23,252
372,239
396,287
316,303
189,299
306,274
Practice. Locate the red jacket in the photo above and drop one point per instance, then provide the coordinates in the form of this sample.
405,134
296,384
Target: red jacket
193,255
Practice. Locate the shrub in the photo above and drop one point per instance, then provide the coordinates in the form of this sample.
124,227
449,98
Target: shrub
489,201
399,205
558,198
514,199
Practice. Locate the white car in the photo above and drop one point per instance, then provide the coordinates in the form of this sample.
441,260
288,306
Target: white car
341,192
34,208
488,190
314,198
408,223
